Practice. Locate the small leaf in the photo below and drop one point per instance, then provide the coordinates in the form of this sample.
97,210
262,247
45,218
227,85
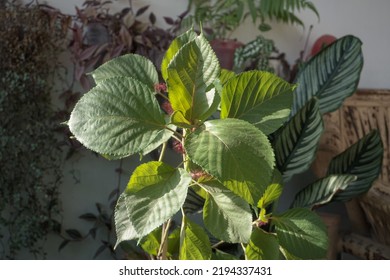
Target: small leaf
273,191
194,242
220,255
129,65
302,233
322,191
243,149
74,234
100,250
363,160
154,194
260,98
141,10
226,215
264,27
119,117
88,217
63,244
152,18
262,246
175,46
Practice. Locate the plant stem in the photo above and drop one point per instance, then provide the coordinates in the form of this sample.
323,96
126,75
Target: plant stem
162,251
164,148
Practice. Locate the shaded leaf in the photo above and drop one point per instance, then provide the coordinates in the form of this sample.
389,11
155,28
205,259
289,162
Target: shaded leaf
363,160
154,194
302,233
296,143
226,215
322,191
262,246
194,242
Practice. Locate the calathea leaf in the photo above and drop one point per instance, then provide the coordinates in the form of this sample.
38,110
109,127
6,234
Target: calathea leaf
301,233
194,242
244,150
322,191
175,46
261,98
226,215
363,160
296,143
118,117
128,65
190,74
155,193
262,246
332,75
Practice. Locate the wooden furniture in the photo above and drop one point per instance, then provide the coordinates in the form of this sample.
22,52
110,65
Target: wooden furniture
370,214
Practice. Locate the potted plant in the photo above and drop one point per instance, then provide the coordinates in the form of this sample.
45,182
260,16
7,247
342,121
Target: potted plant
237,163
220,18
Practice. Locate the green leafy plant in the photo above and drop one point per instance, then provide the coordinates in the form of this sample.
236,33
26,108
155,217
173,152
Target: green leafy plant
222,17
241,136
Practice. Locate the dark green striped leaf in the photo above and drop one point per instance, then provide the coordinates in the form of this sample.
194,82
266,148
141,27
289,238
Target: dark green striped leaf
322,191
332,75
363,160
296,143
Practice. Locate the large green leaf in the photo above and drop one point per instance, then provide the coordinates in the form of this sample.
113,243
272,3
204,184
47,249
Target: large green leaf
364,160
331,76
302,233
262,246
226,215
261,98
175,46
128,65
194,242
119,117
322,191
155,193
296,143
189,76
236,153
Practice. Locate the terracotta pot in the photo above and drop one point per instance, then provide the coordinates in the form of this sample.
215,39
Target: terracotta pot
224,49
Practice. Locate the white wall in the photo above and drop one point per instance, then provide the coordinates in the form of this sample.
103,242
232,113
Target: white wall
367,20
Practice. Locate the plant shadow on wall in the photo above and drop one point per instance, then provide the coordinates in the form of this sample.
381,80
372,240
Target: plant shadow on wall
97,36
242,137
30,158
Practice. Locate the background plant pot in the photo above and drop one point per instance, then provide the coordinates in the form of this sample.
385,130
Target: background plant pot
224,49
